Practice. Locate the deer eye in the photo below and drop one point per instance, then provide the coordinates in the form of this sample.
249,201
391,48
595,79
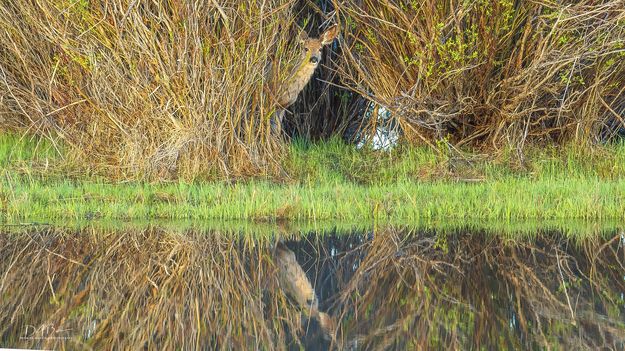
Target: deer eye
306,49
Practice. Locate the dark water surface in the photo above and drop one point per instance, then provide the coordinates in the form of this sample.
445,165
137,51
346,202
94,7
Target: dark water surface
384,289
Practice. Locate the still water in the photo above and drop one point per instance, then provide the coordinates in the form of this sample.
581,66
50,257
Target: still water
391,288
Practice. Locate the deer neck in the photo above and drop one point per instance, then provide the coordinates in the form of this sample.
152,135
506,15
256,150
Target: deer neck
296,84
302,76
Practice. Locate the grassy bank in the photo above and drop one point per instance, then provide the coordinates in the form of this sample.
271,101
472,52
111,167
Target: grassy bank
329,181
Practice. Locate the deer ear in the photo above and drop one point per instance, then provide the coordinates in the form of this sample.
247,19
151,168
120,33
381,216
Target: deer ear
302,36
330,34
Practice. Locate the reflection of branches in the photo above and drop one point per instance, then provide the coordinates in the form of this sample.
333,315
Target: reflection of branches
554,274
143,289
393,290
454,291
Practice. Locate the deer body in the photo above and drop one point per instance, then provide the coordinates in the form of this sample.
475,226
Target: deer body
296,85
311,56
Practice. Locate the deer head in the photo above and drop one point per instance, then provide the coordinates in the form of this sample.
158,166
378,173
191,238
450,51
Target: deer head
311,56
312,47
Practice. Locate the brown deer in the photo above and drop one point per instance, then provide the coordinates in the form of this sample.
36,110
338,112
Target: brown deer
311,56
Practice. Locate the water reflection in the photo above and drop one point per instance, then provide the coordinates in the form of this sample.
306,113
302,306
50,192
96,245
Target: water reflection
389,289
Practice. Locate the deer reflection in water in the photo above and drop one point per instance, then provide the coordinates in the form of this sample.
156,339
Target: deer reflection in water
295,283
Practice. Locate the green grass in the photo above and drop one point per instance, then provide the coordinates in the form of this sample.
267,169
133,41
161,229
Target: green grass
575,230
330,181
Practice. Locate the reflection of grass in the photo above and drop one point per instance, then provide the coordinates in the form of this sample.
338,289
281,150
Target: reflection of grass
517,230
331,182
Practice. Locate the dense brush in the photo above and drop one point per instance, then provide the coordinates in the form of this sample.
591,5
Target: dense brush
166,89
490,72
157,89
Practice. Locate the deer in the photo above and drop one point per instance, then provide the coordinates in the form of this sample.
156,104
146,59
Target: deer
288,92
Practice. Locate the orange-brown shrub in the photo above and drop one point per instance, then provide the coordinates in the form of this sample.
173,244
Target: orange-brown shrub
490,72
